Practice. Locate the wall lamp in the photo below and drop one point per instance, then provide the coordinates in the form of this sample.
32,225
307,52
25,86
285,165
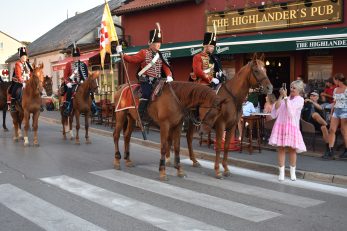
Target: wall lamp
308,3
284,6
241,11
334,1
261,8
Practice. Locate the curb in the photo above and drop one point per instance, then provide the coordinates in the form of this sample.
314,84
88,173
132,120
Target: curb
252,165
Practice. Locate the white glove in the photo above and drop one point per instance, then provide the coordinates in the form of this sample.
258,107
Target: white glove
69,85
119,49
169,79
215,81
24,85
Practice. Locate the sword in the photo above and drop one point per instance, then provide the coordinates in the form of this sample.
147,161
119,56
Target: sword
132,96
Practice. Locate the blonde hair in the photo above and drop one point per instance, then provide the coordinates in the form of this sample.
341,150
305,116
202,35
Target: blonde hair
299,85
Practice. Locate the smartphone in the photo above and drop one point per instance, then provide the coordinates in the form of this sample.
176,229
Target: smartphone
284,86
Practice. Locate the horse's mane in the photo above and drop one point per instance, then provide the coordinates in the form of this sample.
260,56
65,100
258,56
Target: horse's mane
191,94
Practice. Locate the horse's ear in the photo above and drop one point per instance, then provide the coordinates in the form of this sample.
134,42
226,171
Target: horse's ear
262,57
95,74
254,56
41,65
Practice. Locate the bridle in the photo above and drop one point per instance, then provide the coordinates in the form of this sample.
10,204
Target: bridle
256,75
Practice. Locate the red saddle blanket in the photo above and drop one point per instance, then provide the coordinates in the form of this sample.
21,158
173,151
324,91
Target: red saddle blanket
125,100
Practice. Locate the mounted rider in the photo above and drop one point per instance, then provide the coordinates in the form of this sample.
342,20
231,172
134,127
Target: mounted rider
207,68
22,72
153,66
75,73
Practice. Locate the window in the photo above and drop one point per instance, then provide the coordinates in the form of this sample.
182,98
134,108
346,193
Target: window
319,69
1,45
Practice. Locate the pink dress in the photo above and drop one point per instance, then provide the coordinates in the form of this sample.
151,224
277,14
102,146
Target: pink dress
286,130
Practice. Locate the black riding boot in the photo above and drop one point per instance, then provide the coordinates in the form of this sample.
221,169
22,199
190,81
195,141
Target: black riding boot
344,154
142,107
13,105
329,153
95,109
67,108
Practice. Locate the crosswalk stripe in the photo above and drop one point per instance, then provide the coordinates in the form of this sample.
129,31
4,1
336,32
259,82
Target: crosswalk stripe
158,217
40,212
218,204
285,198
271,178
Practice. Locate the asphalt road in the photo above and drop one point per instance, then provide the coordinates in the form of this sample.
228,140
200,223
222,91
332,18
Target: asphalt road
63,186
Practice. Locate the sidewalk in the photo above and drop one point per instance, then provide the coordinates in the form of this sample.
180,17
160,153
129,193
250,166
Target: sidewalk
309,165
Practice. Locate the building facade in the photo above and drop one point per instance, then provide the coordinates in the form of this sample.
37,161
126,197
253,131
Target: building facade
306,38
8,46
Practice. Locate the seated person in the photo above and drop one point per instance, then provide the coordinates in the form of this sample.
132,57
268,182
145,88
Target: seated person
270,101
327,94
247,109
314,114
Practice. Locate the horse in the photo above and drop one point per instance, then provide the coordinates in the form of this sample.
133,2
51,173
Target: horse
167,111
48,85
234,91
31,104
81,103
3,102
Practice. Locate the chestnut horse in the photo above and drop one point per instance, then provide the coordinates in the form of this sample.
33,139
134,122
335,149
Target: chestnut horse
168,111
31,104
81,103
3,102
234,91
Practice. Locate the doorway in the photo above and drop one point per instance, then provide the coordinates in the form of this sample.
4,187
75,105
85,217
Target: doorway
278,71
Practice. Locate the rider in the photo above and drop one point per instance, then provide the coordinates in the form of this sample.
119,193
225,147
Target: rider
153,66
207,68
75,73
22,72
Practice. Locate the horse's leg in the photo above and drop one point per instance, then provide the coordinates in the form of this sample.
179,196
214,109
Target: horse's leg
127,136
4,111
26,127
77,116
190,134
35,127
164,135
64,122
70,122
176,135
168,151
86,124
228,134
120,120
219,136
15,127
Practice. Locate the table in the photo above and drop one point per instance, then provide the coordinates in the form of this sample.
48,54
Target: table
253,121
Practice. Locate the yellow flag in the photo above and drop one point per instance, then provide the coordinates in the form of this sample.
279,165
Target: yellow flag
108,33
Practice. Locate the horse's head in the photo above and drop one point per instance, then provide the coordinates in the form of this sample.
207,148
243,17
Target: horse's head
209,114
48,85
258,75
38,74
93,84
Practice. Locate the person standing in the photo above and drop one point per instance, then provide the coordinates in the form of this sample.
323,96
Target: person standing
286,130
22,73
153,66
338,116
207,68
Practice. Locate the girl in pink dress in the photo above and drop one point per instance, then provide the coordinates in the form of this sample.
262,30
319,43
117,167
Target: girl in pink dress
286,130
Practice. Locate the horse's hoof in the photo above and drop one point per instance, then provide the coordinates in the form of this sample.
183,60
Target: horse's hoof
116,164
15,139
88,142
26,144
219,176
181,174
226,173
167,163
5,130
77,143
36,145
117,167
129,164
72,138
196,164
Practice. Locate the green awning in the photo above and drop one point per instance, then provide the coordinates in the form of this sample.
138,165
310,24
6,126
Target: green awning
287,41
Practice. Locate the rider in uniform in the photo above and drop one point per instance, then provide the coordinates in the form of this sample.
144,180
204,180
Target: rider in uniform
75,73
22,72
207,68
153,66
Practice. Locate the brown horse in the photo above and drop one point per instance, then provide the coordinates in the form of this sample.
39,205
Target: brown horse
31,104
234,91
3,102
81,103
168,111
48,85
